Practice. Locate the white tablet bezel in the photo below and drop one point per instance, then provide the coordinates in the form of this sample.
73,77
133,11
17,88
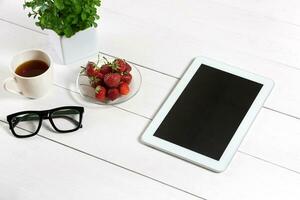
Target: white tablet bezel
215,165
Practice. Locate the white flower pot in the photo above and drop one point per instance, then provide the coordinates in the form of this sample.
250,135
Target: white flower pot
68,50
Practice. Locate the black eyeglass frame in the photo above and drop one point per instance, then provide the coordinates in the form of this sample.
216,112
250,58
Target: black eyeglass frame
45,114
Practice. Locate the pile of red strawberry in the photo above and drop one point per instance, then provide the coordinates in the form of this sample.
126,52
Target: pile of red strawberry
111,80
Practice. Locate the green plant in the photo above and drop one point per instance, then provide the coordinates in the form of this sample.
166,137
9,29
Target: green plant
65,17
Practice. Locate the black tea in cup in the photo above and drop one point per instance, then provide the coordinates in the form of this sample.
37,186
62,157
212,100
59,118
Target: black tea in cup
31,68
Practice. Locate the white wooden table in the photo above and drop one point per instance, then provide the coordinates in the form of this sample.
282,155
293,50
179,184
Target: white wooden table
105,160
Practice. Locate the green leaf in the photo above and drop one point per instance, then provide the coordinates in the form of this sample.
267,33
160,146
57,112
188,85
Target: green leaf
65,17
68,31
83,16
75,20
59,4
77,8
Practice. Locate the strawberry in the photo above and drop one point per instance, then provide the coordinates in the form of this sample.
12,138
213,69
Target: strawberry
128,67
112,80
90,68
124,88
98,74
113,94
100,93
106,68
121,64
94,82
126,78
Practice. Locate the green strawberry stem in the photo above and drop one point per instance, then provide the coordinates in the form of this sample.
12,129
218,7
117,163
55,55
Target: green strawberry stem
83,70
107,62
98,59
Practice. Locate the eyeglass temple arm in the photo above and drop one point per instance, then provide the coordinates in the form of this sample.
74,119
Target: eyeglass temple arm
31,117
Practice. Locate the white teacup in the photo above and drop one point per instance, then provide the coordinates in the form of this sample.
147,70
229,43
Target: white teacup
31,87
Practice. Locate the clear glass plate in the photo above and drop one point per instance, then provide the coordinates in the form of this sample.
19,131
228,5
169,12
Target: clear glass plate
87,92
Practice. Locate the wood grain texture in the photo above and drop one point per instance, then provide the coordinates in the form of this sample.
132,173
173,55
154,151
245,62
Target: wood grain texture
215,22
155,88
274,137
12,11
36,168
161,52
227,26
113,134
159,49
15,39
163,36
280,10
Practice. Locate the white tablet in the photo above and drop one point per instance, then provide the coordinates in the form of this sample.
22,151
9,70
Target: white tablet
208,113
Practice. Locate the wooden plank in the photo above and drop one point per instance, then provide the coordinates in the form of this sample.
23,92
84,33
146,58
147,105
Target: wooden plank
227,26
161,52
36,168
206,20
274,137
12,11
113,134
14,39
252,167
155,88
280,10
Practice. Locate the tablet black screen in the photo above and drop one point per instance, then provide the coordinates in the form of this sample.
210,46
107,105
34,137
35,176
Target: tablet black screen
209,111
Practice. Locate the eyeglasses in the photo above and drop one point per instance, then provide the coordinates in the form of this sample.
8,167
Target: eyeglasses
28,123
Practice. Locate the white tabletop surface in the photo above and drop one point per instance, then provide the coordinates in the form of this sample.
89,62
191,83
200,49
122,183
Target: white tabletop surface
105,159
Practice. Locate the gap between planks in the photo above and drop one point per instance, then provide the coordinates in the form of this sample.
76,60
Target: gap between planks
242,152
115,164
118,13
126,110
146,176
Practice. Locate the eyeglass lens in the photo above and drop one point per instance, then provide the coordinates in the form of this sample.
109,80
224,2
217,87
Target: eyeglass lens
66,119
26,124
